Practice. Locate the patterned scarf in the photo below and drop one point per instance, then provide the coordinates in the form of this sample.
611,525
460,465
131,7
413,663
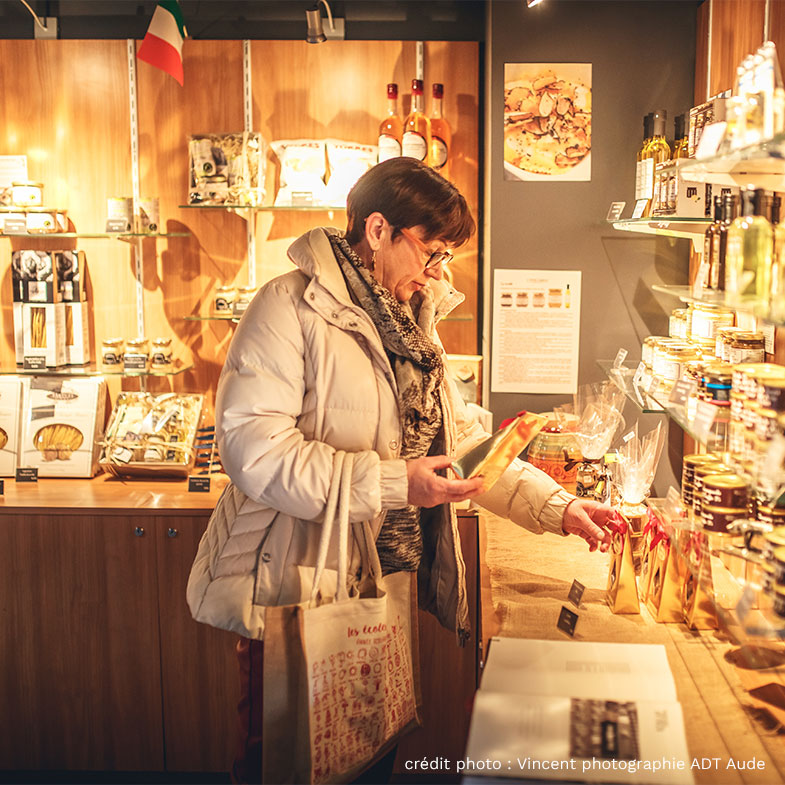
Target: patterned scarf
419,371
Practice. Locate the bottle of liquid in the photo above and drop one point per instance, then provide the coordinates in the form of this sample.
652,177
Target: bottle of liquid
657,151
391,128
417,128
680,141
729,210
441,135
639,165
748,259
711,246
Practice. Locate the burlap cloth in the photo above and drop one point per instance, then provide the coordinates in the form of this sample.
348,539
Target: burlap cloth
530,577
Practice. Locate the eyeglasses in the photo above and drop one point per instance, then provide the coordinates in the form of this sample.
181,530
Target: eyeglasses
434,259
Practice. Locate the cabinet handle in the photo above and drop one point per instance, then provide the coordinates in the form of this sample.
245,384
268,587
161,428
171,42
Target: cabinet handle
139,531
171,532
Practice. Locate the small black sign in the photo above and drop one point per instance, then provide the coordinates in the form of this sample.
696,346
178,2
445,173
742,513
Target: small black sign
34,363
198,485
118,225
2,487
576,592
682,391
135,362
15,226
567,621
27,475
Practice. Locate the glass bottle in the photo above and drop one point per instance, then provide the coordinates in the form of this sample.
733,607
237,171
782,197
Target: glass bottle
417,128
657,151
728,215
711,246
441,135
680,140
647,120
391,128
750,242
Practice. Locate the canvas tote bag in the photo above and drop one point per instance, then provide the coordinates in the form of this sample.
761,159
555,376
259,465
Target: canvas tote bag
340,673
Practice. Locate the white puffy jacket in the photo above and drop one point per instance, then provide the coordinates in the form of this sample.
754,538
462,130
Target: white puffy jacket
306,375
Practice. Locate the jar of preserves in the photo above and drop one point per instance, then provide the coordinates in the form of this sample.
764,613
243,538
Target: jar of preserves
244,296
723,342
137,354
224,300
27,194
706,320
717,379
112,354
677,324
161,356
747,347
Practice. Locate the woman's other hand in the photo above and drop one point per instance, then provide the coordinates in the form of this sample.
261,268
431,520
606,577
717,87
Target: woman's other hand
588,519
427,489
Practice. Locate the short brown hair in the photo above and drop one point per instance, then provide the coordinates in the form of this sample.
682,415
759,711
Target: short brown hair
409,193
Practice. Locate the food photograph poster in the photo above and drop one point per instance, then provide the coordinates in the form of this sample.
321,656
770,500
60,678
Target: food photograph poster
547,121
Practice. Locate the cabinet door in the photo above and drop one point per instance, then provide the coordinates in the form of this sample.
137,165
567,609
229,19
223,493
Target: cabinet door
79,664
198,663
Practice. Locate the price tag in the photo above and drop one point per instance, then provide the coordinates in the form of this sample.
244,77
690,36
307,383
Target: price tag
621,356
2,487
682,391
640,208
14,226
117,225
617,208
567,621
198,485
638,375
34,363
134,362
238,309
27,475
302,198
576,592
699,284
704,419
768,337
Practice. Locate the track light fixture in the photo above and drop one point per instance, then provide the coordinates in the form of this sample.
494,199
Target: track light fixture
313,16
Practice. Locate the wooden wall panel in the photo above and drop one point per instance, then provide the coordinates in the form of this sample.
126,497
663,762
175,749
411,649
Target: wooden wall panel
701,51
737,30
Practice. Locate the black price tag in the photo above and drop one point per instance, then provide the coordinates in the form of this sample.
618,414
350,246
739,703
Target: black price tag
615,211
135,363
14,226
682,391
27,475
640,207
576,592
34,363
119,225
198,485
567,621
2,487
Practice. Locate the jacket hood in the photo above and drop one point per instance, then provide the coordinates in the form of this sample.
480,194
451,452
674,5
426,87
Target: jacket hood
313,254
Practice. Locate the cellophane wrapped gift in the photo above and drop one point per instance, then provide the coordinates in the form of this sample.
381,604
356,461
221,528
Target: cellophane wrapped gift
152,434
664,571
622,591
698,588
227,169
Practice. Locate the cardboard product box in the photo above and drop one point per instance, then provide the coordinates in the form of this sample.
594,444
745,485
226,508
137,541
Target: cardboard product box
77,334
63,425
70,267
712,111
712,190
19,340
12,392
34,277
43,333
466,372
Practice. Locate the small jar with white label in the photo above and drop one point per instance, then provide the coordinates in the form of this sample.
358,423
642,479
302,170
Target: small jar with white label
137,354
161,355
27,194
224,300
112,354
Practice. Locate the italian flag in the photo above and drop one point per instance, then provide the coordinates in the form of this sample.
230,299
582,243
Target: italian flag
163,44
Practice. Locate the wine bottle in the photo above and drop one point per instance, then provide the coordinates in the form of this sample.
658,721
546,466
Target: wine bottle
729,209
417,128
639,165
391,128
441,135
711,246
657,151
750,241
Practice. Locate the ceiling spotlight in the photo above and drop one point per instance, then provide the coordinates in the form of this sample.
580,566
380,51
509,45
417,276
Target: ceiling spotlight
313,16
532,3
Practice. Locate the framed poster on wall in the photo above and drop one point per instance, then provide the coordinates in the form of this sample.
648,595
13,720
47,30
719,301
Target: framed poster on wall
547,121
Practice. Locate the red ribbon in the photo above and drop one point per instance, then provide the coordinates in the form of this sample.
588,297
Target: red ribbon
505,423
617,524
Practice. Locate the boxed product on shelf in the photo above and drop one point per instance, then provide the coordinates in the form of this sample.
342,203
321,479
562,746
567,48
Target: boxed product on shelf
674,195
62,426
19,339
12,393
43,333
348,162
70,271
226,168
303,168
152,434
34,277
712,111
77,334
43,221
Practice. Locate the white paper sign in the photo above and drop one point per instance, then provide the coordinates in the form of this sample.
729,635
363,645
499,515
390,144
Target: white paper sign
536,328
768,337
13,168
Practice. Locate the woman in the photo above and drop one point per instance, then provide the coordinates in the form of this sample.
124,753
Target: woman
342,354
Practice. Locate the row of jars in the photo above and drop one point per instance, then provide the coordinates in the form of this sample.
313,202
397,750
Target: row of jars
138,353
232,300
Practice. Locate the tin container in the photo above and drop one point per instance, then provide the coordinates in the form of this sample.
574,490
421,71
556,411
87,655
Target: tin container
716,519
161,354
771,393
774,539
766,427
773,516
697,485
121,209
27,194
725,490
112,354
689,464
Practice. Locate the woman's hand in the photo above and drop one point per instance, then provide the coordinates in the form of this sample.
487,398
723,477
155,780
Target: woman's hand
588,519
427,489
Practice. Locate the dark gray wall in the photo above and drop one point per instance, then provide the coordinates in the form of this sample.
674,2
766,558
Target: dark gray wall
643,58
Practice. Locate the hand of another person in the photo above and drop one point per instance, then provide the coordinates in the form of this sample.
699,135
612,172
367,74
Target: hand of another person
427,489
588,519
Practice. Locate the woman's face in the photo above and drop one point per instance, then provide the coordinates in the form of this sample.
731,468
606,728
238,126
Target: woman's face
401,263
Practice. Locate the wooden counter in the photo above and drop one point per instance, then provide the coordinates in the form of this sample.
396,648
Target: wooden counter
527,582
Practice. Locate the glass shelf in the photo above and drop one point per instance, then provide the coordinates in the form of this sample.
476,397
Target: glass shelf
728,579
94,235
735,302
212,318
624,378
306,208
92,370
761,165
669,226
